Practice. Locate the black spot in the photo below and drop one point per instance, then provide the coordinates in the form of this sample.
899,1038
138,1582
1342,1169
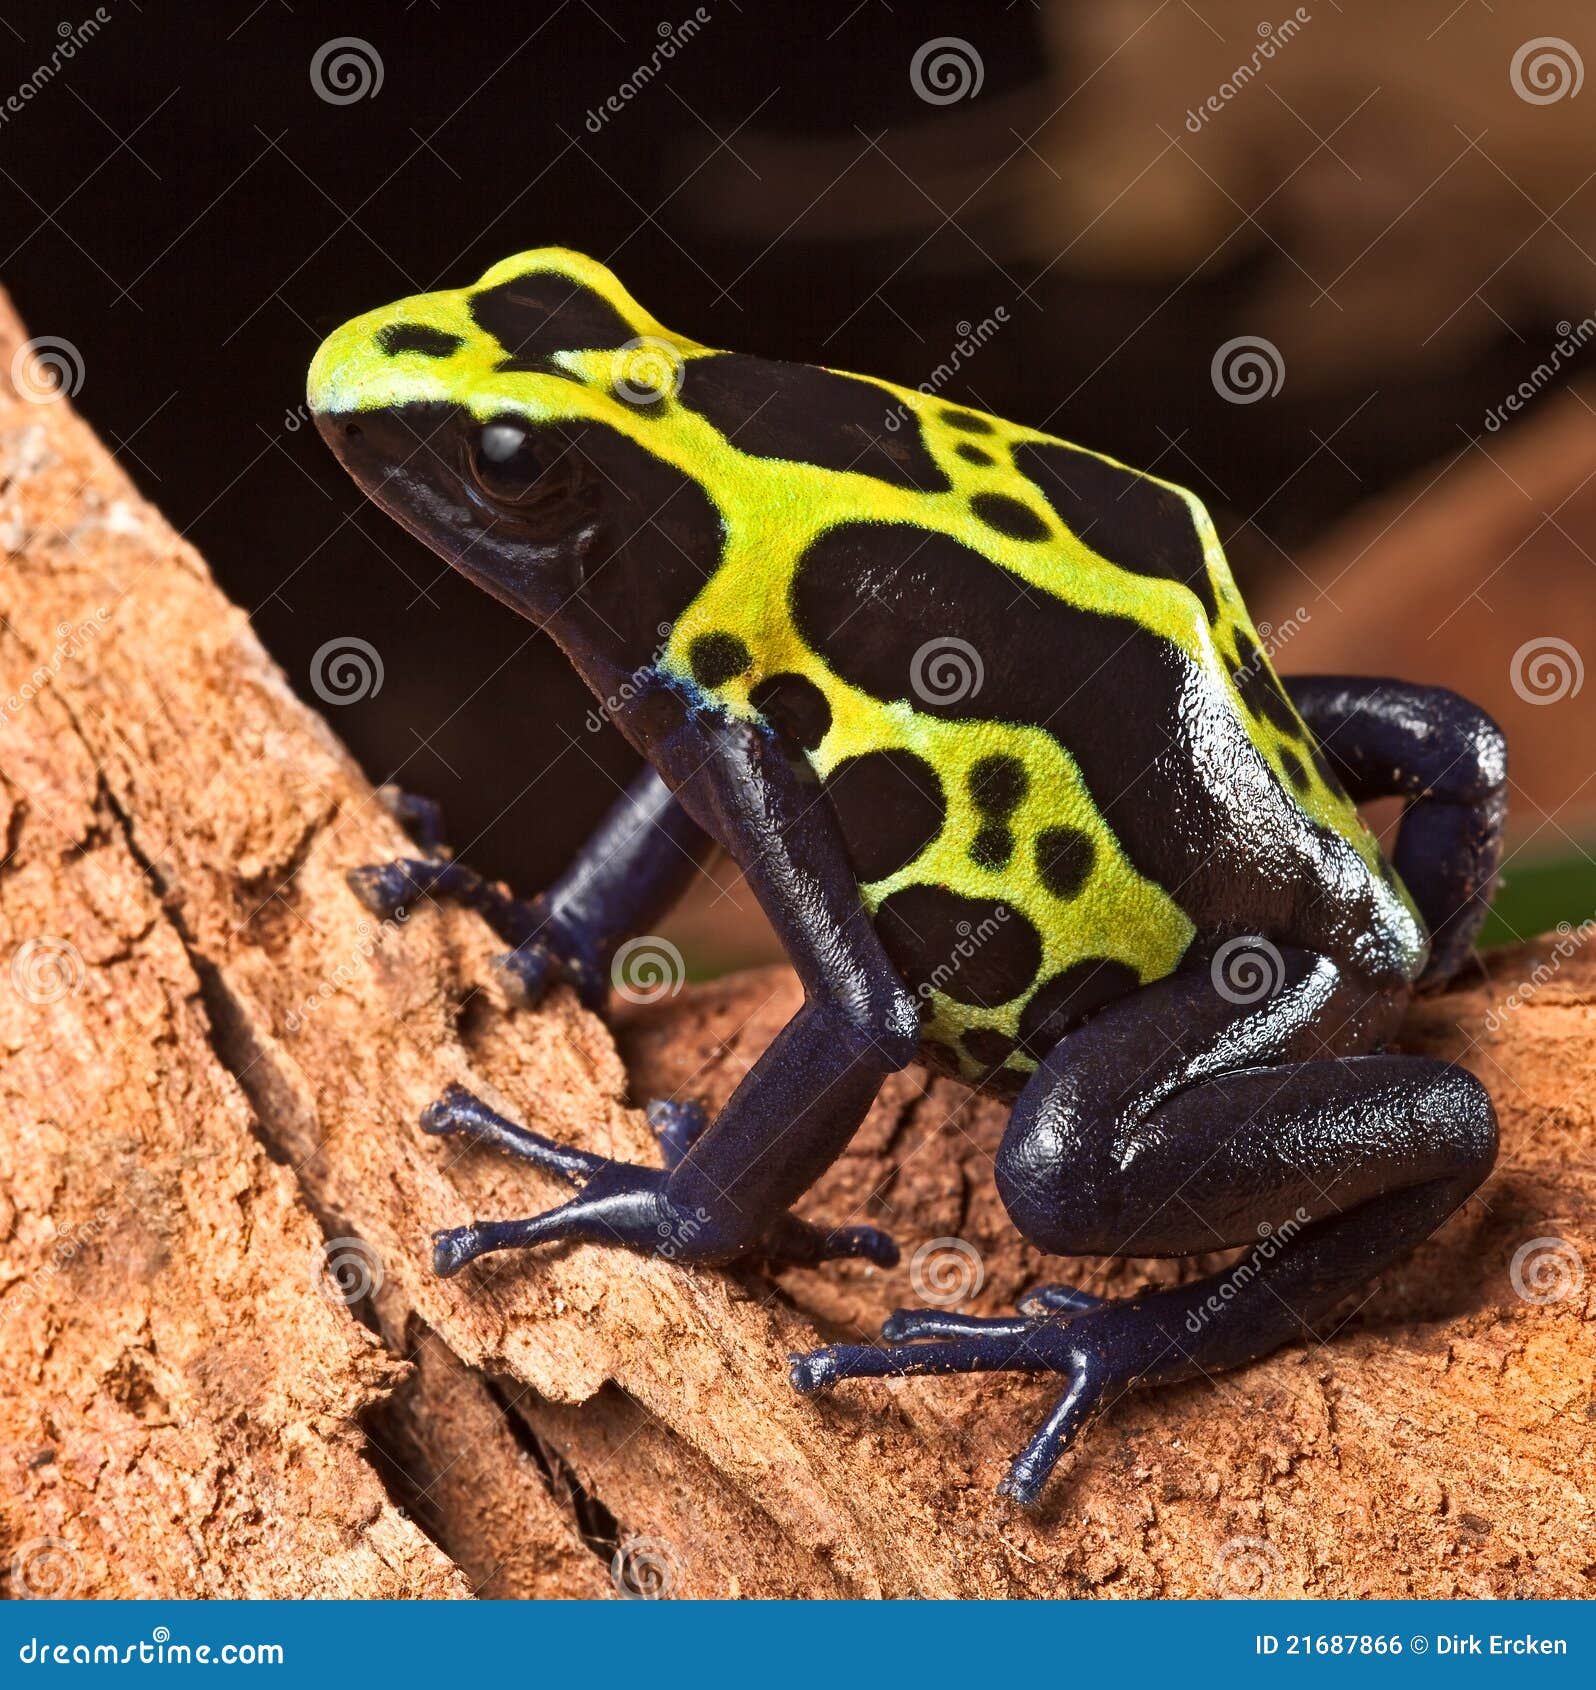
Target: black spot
543,312
1127,518
717,658
794,706
632,397
967,421
1068,998
973,454
1133,710
1064,857
417,337
978,951
987,1045
992,846
1327,772
656,541
889,807
998,785
1008,516
811,416
1260,691
1296,773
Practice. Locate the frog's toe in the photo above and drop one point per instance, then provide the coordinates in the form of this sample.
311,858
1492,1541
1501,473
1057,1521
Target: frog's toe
1058,1299
524,974
387,888
676,1125
907,1324
421,818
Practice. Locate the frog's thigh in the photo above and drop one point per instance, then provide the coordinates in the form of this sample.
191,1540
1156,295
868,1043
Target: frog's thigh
1178,1121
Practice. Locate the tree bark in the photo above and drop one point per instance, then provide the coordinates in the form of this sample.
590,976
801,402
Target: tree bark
229,1369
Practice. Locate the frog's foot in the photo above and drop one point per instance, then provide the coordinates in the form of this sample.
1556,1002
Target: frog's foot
1058,1330
544,954
621,1203
421,818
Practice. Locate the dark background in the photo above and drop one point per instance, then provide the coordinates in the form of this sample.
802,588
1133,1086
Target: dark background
182,206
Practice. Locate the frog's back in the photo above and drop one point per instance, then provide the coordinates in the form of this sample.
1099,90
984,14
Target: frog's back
1022,672
1027,681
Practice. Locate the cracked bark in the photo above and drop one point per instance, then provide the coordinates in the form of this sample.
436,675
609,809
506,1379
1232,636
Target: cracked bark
214,1064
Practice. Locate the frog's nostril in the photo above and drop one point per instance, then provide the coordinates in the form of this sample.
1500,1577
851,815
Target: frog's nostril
351,431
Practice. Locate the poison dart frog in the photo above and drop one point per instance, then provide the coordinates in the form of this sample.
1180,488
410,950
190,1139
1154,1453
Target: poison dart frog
983,720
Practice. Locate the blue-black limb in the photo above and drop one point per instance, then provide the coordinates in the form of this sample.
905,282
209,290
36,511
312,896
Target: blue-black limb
727,1189
1390,739
632,869
1175,1122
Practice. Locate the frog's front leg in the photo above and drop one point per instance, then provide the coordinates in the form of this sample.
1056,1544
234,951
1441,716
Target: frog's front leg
632,869
729,1194
1176,1122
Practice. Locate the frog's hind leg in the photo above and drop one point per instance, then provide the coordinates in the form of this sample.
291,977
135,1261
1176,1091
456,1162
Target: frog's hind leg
1245,1131
1390,739
633,868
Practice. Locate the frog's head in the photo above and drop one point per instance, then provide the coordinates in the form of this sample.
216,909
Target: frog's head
505,425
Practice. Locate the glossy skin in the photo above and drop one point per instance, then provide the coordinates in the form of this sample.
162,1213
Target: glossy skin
984,720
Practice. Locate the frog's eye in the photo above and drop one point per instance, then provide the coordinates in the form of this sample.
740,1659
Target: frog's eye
508,464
